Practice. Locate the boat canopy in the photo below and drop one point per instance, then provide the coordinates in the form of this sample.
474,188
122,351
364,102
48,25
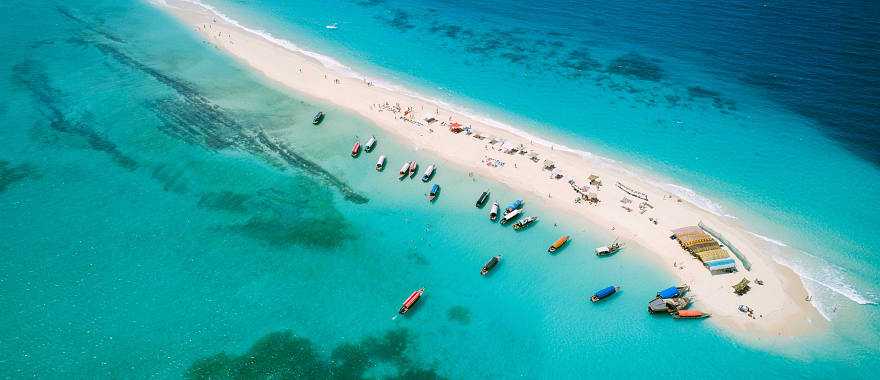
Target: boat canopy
669,292
605,292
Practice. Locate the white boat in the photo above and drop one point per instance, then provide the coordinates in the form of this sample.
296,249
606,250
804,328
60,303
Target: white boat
413,168
429,172
380,164
332,26
493,212
511,215
404,170
608,250
371,143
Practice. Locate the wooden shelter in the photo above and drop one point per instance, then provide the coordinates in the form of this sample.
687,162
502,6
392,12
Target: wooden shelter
742,287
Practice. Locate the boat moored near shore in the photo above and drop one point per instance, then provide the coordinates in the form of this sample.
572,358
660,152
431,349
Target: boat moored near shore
484,197
411,300
668,305
380,164
604,293
413,168
690,314
429,173
559,243
608,250
673,291
435,190
371,143
319,117
493,212
525,223
515,205
511,216
490,265
356,149
404,170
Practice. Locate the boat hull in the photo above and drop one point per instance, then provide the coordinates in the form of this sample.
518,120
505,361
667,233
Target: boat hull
490,265
481,201
411,301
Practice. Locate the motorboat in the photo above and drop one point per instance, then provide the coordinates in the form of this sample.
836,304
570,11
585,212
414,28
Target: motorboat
356,149
429,173
319,117
380,164
371,143
515,205
490,265
511,216
604,293
481,201
411,300
673,291
413,168
493,212
608,250
404,170
559,243
435,190
525,222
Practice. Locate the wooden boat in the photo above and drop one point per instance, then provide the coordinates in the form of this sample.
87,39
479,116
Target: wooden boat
511,216
490,265
435,190
319,117
525,223
690,314
429,173
515,205
558,243
604,293
608,250
493,212
404,170
481,201
380,164
668,305
356,149
371,143
413,168
673,291
411,300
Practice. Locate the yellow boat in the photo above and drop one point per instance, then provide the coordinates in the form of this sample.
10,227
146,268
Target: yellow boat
559,243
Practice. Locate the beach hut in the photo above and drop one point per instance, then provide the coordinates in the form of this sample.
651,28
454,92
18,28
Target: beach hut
742,287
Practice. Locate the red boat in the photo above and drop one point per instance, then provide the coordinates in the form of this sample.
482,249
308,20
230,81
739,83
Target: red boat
356,149
413,298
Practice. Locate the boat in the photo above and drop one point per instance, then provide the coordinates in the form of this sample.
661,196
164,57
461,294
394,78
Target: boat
413,168
493,212
673,291
690,314
404,170
608,250
319,117
371,143
490,265
435,190
481,201
411,300
525,223
515,205
558,243
356,149
604,293
429,172
380,164
668,305
332,26
510,216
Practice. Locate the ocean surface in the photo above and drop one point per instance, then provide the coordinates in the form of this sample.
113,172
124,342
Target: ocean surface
167,213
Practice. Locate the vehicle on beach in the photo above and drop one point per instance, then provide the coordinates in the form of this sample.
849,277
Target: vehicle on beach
404,170
380,164
493,212
604,293
525,223
673,291
429,173
319,117
371,143
668,305
413,168
356,149
481,201
608,250
515,205
411,300
510,216
559,243
435,190
690,314
490,265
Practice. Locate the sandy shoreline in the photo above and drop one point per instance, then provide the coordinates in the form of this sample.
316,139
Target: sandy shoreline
781,309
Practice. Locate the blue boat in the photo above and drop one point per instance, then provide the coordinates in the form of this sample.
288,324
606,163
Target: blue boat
673,291
434,191
514,205
604,293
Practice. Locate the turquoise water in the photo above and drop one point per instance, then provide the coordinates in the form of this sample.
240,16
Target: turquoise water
163,205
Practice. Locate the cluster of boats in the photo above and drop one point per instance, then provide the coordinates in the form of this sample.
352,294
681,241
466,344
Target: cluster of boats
672,301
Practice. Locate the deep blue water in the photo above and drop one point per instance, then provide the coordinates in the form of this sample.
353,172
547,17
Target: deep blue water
167,213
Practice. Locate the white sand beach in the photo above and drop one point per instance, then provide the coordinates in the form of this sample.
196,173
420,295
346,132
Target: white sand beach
780,304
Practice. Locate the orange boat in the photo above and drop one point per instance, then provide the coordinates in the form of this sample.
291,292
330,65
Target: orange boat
559,243
691,314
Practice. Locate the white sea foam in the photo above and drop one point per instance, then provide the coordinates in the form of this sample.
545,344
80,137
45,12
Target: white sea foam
823,273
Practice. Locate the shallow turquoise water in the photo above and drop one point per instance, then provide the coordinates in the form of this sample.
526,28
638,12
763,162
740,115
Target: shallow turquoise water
162,205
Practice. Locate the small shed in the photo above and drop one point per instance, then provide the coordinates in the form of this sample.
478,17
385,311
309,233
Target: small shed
742,287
